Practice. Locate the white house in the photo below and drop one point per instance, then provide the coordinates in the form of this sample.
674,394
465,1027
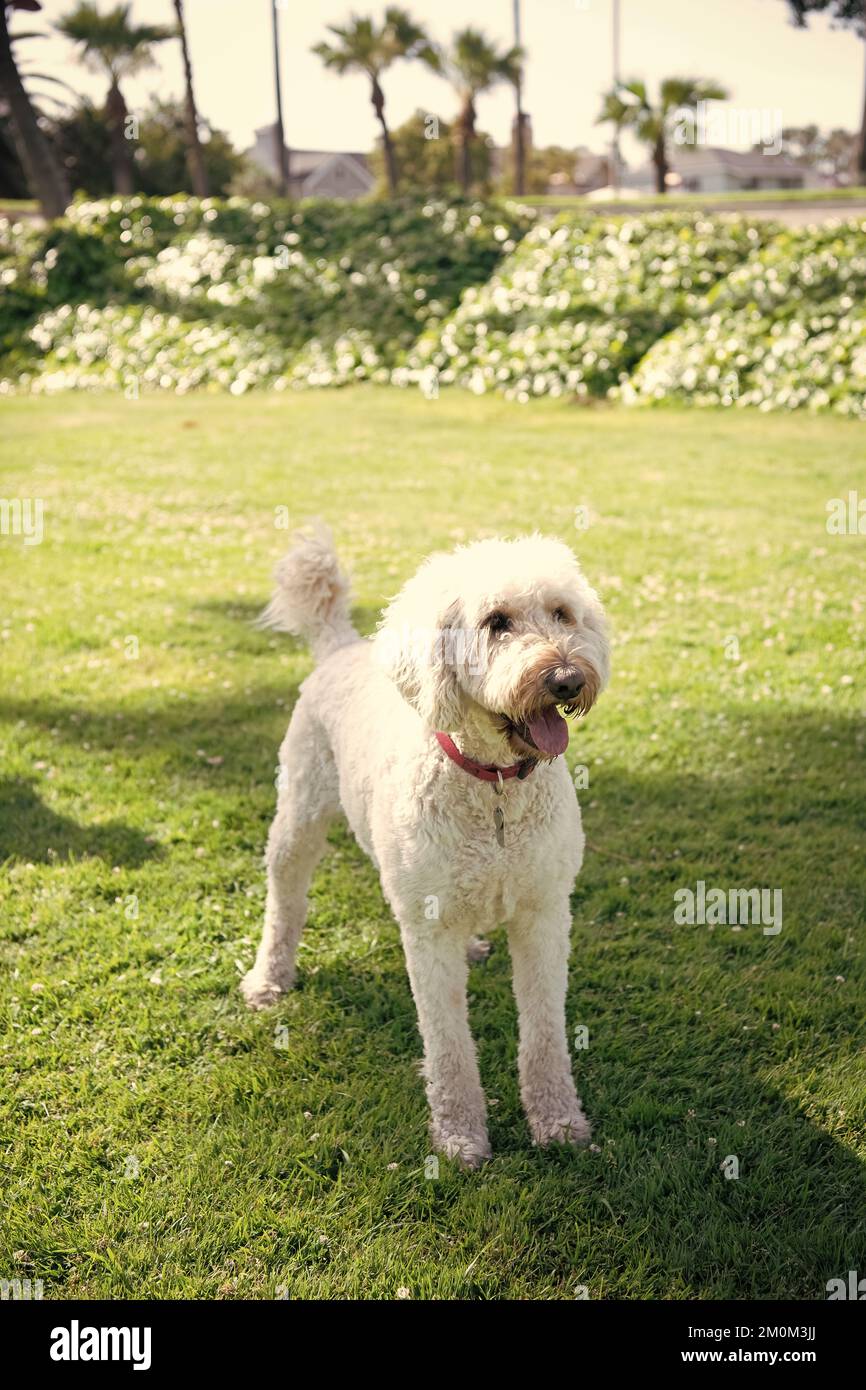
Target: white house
314,173
710,169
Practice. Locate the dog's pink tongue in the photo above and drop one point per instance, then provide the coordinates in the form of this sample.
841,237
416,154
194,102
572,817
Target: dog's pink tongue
549,732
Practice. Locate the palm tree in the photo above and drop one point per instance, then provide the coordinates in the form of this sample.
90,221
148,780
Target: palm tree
474,65
194,151
628,106
44,175
279,130
365,47
112,44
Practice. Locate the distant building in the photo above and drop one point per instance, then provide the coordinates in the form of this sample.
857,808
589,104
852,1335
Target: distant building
587,171
314,173
708,169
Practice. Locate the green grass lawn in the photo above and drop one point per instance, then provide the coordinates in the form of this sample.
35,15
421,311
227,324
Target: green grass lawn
160,1141
672,201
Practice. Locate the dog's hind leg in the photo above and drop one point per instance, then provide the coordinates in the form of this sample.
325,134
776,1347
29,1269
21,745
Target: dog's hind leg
307,802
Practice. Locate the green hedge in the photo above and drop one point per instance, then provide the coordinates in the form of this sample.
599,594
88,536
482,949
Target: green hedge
291,272
178,294
580,301
786,329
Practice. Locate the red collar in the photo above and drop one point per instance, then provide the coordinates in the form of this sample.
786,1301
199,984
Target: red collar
479,770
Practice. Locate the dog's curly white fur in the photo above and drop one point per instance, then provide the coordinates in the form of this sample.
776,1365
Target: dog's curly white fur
483,643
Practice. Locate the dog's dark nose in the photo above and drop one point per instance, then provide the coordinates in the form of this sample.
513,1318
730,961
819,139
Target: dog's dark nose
565,684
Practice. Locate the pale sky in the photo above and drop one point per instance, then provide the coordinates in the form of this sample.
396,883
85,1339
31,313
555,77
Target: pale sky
748,45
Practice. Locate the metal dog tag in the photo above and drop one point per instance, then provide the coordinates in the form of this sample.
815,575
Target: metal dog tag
499,813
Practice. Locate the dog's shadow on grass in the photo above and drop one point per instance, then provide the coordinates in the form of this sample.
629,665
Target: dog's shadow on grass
706,1179
31,832
722,1067
682,1046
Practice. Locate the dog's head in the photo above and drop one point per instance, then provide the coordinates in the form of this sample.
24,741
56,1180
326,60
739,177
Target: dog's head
509,631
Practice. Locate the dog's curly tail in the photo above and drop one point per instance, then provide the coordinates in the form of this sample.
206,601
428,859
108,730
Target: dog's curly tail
311,598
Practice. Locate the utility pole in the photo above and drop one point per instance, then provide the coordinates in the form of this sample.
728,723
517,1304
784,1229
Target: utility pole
281,151
614,146
520,120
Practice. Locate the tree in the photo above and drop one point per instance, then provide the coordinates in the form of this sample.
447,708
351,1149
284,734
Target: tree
365,47
161,163
112,44
163,152
545,167
194,154
82,141
44,175
628,106
844,14
424,150
833,153
474,65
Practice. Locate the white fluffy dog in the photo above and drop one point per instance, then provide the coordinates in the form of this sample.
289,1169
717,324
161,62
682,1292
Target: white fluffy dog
440,739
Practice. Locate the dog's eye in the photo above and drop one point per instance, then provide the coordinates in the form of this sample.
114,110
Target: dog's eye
562,615
497,622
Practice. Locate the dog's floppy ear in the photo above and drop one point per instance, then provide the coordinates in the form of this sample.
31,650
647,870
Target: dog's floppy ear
418,644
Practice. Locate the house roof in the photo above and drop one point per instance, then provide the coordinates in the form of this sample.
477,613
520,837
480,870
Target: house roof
344,164
746,163
306,161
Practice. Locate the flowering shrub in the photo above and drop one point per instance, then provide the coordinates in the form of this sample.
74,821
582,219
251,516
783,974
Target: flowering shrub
787,329
352,357
178,293
21,293
135,347
580,301
800,266
314,275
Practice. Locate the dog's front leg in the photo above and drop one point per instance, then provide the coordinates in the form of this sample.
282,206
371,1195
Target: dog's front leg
539,946
438,971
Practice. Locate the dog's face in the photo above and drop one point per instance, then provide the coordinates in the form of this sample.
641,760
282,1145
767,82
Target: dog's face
507,630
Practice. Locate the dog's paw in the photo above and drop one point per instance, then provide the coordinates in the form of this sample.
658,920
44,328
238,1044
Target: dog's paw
469,1150
260,991
478,949
570,1128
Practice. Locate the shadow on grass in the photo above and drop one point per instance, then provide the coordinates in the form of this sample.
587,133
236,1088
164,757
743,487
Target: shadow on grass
246,612
32,833
650,1214
683,1049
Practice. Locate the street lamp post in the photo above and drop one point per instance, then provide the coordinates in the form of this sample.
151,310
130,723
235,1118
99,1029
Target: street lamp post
519,127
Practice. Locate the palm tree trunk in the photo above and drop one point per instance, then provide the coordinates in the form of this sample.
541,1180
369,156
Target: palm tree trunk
279,129
660,160
519,150
121,157
465,138
194,151
378,100
44,175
